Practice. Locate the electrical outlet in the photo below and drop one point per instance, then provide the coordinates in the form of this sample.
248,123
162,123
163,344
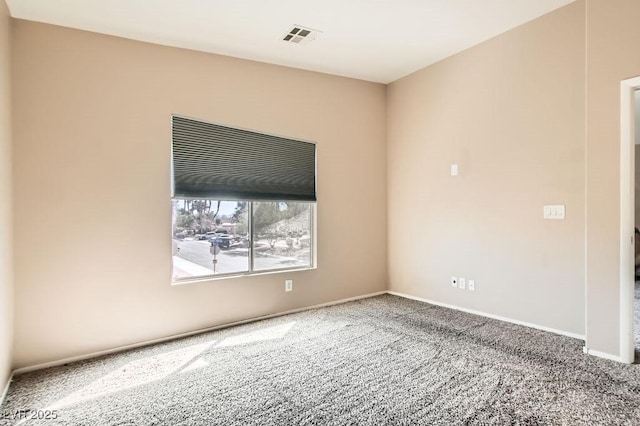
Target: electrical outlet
288,285
472,285
462,283
454,282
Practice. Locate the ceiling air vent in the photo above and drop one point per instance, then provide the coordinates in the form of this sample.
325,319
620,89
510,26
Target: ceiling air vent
300,35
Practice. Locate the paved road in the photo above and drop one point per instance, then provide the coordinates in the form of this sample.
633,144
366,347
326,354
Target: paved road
231,261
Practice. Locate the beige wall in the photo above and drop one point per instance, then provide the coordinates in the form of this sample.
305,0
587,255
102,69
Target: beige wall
612,46
92,207
510,113
6,284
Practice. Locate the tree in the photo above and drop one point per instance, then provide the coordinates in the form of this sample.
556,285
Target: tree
265,214
239,217
185,221
239,211
196,215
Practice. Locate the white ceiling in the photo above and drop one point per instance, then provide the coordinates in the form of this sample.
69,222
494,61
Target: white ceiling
375,40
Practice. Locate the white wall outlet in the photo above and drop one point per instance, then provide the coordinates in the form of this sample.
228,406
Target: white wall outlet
472,285
462,283
288,285
454,281
454,170
553,211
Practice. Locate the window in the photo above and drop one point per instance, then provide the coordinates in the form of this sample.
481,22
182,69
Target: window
212,237
243,202
281,235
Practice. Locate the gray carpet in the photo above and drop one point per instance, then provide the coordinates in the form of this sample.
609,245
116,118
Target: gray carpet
636,321
378,361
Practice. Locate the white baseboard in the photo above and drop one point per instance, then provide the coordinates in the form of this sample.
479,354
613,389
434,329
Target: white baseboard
602,355
63,361
3,395
293,311
484,314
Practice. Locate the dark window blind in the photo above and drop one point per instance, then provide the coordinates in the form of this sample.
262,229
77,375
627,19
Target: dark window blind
214,161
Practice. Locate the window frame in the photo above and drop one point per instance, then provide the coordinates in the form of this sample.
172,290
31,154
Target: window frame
250,271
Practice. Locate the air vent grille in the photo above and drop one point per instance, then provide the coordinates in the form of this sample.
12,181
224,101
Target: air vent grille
300,35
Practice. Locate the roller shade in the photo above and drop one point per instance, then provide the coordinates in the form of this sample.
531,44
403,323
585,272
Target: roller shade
214,161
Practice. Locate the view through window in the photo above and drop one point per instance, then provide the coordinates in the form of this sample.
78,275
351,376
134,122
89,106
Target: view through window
216,237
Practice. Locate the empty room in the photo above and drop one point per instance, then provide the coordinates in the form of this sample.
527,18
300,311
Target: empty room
358,212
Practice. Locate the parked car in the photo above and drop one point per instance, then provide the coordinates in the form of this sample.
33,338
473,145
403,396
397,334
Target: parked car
221,238
224,241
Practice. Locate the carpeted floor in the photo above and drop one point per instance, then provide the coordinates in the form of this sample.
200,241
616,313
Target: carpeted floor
636,321
378,361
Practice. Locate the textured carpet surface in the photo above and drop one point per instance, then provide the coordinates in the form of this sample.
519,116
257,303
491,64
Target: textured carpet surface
378,361
636,321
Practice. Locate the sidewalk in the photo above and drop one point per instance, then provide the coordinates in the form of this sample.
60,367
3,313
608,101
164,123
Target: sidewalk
184,269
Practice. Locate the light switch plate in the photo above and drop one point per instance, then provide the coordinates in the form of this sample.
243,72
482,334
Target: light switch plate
553,211
462,283
454,170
